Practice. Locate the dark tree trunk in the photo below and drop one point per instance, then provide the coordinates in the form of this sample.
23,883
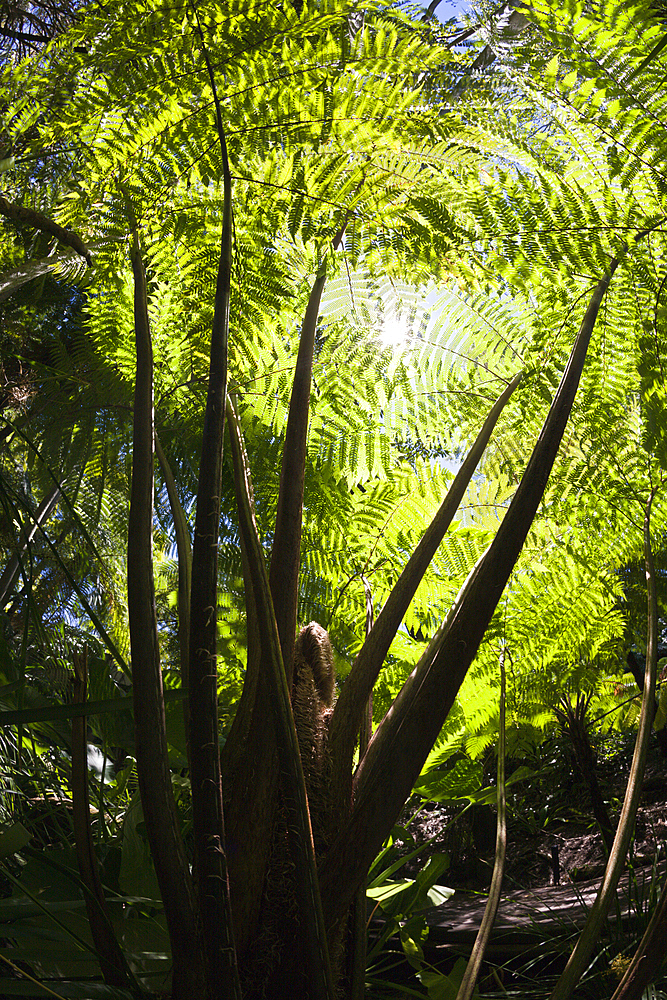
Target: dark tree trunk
210,848
250,757
638,673
305,964
157,799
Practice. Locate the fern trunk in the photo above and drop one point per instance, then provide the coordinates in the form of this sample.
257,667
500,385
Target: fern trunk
250,758
396,754
309,945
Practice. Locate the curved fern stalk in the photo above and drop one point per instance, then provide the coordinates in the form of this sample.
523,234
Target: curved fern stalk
578,960
359,927
157,799
184,550
28,216
286,553
348,713
250,762
467,987
114,966
11,570
407,733
291,769
648,958
210,859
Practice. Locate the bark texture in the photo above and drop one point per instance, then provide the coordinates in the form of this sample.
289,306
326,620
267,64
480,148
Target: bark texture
210,849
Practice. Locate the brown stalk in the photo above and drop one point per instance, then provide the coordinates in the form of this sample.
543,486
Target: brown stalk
114,967
347,716
210,857
249,757
597,914
286,554
291,769
359,936
409,730
157,799
28,216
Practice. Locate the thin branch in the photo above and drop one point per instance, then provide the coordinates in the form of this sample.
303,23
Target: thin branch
286,554
28,216
23,36
346,719
579,958
409,730
467,987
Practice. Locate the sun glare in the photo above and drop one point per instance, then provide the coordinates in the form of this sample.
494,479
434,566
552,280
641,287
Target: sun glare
394,331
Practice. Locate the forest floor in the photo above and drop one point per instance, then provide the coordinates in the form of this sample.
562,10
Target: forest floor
534,829
539,920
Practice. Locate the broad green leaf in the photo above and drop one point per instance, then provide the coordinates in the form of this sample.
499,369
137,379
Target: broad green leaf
13,839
